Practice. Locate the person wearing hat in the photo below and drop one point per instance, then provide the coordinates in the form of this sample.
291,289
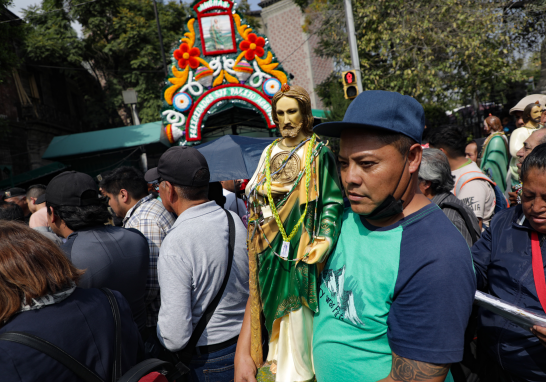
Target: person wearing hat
192,263
18,196
113,257
396,294
519,135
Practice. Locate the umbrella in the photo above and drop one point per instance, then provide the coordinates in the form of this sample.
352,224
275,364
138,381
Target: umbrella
233,156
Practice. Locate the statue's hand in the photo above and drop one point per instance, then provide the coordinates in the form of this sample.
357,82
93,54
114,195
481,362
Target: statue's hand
317,250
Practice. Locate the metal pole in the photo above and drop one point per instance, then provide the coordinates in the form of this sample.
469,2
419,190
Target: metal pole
352,43
160,40
136,120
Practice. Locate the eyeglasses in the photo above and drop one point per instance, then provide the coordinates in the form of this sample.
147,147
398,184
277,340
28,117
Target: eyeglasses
156,183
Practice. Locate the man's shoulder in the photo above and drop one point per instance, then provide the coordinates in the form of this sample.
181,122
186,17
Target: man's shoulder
100,233
431,234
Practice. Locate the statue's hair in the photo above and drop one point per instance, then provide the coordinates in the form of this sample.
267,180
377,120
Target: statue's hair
494,123
304,101
527,111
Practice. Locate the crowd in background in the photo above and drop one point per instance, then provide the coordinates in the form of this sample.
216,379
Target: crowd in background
160,241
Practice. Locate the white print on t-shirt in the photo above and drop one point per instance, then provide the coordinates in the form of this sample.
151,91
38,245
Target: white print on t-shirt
345,308
473,204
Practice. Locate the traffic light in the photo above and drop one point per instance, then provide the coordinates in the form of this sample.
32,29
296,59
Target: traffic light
350,88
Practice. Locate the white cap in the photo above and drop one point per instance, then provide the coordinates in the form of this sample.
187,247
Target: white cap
541,98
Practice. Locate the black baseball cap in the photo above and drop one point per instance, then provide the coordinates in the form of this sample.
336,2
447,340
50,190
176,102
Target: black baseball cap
71,188
179,165
15,191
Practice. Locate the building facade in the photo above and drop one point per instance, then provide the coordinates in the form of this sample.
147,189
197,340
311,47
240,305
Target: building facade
283,24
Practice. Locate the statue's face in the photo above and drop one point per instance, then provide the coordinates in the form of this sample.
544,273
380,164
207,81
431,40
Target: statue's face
536,113
289,117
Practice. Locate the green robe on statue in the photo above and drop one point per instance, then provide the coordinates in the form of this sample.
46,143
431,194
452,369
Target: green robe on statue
494,160
279,287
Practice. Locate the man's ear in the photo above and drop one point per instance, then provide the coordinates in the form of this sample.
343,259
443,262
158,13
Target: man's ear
123,195
414,157
427,184
170,192
33,201
51,213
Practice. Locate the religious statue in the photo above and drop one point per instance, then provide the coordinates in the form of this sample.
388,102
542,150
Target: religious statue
531,120
494,154
295,205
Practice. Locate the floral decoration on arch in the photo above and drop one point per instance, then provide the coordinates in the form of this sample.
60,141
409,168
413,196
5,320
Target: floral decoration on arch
253,46
187,56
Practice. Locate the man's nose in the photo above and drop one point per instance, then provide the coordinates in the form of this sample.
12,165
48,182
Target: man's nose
350,176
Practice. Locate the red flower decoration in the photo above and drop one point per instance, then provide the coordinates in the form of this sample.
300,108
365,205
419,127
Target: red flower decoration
186,56
254,46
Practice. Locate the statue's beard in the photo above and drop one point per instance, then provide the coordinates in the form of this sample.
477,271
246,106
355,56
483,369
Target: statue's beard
290,131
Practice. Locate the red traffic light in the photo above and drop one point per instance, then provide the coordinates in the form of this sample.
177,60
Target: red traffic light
349,78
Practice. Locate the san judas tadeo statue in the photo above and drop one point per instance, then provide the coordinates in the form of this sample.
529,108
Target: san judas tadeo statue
296,205
531,120
494,154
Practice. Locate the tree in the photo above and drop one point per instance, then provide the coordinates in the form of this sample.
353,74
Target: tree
120,47
437,52
331,94
526,20
10,33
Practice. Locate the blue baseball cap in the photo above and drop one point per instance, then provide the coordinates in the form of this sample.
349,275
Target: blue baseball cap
379,109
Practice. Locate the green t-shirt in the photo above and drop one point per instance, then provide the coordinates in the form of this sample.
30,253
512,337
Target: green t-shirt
407,288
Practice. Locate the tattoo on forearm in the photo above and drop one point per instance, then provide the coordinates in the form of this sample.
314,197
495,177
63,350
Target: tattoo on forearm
406,370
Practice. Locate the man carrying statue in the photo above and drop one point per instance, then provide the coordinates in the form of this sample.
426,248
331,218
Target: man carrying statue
295,206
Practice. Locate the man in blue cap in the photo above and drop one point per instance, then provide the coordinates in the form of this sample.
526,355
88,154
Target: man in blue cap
396,294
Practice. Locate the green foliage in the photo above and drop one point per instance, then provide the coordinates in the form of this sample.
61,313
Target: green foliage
437,52
50,37
244,8
331,94
10,34
120,47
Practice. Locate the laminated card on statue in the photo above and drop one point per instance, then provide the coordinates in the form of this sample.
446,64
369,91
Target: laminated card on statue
520,317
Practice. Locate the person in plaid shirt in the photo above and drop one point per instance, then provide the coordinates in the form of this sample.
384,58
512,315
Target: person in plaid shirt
129,199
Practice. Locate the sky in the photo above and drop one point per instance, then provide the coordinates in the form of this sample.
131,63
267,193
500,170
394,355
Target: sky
19,5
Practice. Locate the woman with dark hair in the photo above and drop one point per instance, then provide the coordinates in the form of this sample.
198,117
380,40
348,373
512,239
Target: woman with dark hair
38,296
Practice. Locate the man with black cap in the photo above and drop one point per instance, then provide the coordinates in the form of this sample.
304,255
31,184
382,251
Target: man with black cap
112,257
193,261
396,294
18,196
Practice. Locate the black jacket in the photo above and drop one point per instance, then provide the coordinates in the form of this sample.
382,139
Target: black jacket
83,326
114,258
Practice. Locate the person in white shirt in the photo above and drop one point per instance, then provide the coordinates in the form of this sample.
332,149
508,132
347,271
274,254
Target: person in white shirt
471,185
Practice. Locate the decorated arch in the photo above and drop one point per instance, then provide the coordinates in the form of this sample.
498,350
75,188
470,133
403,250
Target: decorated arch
220,62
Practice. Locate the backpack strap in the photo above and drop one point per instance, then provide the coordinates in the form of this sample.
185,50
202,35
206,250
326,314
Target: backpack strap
46,347
116,367
185,355
467,177
467,221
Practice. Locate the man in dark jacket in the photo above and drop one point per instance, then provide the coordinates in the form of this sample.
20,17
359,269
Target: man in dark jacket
436,183
503,261
113,257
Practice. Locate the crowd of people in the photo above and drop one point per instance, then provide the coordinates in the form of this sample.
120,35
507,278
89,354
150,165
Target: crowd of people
428,223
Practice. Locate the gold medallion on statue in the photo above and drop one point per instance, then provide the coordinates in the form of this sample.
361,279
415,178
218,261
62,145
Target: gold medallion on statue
290,172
